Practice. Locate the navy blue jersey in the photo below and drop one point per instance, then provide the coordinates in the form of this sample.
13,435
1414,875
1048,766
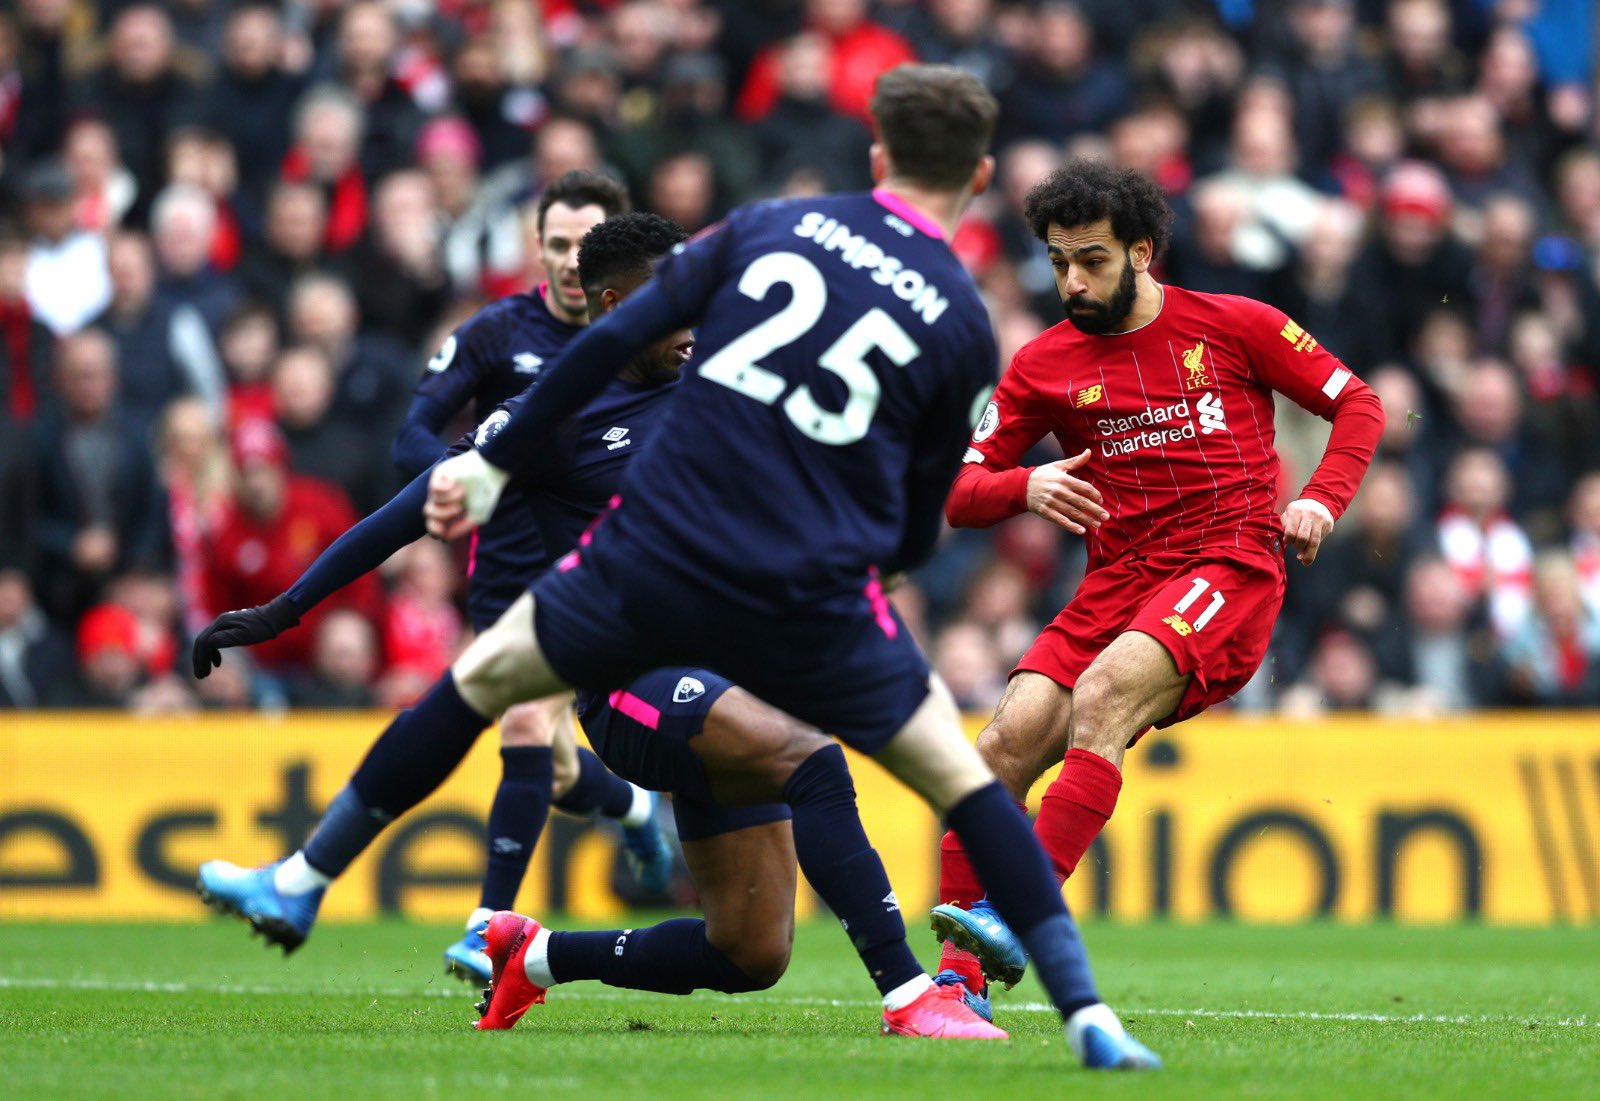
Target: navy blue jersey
494,355
580,469
841,355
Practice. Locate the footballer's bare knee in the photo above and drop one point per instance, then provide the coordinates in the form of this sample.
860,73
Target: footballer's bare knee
762,954
504,665
931,754
750,748
527,724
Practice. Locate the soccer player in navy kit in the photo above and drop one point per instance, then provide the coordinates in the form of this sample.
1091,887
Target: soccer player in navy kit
491,357
735,834
843,356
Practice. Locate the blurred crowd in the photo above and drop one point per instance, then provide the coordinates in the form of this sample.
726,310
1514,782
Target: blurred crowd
233,232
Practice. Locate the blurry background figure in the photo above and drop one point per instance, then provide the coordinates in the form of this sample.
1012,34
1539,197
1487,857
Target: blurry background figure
67,282
344,663
1553,658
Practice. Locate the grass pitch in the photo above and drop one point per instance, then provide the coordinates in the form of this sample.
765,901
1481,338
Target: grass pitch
363,1013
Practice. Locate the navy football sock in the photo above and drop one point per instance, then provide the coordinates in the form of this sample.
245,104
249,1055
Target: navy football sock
516,817
845,869
348,826
671,958
1014,869
419,751
597,790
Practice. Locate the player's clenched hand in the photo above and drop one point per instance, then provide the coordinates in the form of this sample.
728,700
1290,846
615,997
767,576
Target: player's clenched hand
462,493
1063,499
244,627
1306,523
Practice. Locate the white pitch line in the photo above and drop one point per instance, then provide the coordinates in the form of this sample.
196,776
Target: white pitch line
464,992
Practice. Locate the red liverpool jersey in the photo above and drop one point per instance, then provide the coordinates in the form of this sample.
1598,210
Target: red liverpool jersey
1178,416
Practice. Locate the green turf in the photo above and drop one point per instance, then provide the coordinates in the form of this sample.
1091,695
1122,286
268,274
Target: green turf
363,1014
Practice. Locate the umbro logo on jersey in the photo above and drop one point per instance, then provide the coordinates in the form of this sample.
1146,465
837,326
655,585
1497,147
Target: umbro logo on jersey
526,363
615,438
891,901
689,688
1089,395
1294,334
1209,410
1194,361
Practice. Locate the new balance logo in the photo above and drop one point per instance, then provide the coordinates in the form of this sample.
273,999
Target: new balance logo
526,363
1177,624
1209,411
1089,395
688,689
615,438
891,902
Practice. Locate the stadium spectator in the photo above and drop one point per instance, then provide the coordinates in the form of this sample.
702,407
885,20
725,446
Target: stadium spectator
1414,265
164,360
183,224
252,100
322,443
291,244
344,664
964,656
141,93
99,509
66,280
194,472
326,151
1436,646
802,119
26,343
373,371
249,346
278,523
391,118
204,159
1491,556
498,111
1553,658
859,50
422,631
1585,542
36,662
401,286
1488,408
1061,88
1342,676
105,189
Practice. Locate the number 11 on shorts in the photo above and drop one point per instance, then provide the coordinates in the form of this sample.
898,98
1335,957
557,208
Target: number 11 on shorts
1197,589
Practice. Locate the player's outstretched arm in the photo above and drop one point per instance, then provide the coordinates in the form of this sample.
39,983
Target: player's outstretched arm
360,550
417,445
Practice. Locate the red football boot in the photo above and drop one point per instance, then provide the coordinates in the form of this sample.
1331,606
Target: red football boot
940,1012
510,992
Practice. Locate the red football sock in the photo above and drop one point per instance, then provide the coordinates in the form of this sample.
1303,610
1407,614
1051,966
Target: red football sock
1076,807
958,883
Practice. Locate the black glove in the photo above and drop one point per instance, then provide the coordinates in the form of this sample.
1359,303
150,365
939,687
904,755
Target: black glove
245,627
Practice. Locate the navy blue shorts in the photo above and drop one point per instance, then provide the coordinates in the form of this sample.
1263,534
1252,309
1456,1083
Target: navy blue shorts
608,614
642,734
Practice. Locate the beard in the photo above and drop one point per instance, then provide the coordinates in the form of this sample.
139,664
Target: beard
1100,318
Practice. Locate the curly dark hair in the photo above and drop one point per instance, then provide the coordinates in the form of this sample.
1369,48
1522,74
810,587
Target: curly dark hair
1085,191
625,246
580,189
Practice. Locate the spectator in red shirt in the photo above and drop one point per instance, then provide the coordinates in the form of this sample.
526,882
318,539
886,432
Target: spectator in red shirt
861,51
278,523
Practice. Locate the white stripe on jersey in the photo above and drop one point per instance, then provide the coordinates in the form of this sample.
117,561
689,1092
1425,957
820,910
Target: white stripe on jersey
1335,383
973,455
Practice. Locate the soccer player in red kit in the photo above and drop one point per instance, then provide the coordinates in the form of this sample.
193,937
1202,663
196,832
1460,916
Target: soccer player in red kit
1162,399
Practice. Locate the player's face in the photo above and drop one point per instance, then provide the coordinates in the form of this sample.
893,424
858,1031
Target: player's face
564,227
661,362
1095,274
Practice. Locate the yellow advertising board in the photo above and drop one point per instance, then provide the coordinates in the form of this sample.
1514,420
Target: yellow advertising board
1494,818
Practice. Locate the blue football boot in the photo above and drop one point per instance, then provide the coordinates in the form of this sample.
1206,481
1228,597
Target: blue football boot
985,934
1100,1042
468,958
977,1000
250,893
646,850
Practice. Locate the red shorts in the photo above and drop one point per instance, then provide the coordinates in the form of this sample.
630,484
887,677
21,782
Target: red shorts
1212,609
